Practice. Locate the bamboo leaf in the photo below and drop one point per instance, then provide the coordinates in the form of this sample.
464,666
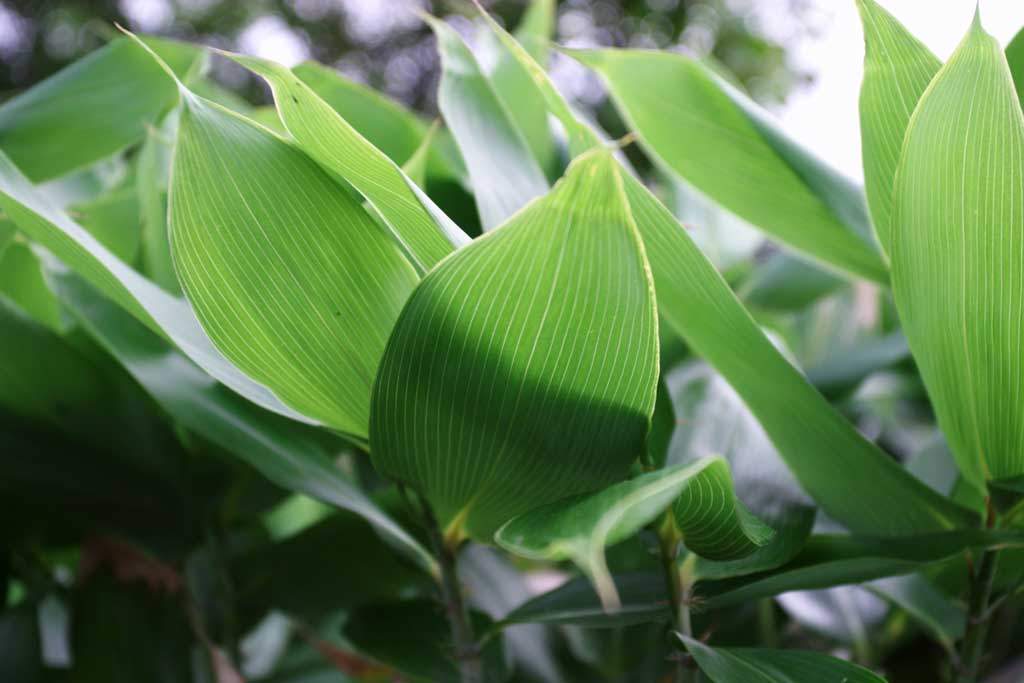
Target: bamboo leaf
92,108
958,265
897,69
502,169
754,665
1015,58
706,131
876,495
38,218
705,511
338,147
516,375
283,451
513,84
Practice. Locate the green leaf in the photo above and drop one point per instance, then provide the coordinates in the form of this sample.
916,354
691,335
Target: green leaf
721,143
426,657
502,169
38,218
876,495
754,665
386,124
152,171
113,219
785,283
513,84
290,277
22,280
92,108
518,375
924,603
897,69
415,167
842,370
286,453
706,513
956,257
424,234
835,560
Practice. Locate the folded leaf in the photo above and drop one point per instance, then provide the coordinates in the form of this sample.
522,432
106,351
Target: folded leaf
897,69
753,665
38,218
713,137
524,367
283,451
92,108
502,169
707,515
339,148
958,266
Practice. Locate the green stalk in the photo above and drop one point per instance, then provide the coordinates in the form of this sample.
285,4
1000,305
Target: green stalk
978,619
678,591
466,649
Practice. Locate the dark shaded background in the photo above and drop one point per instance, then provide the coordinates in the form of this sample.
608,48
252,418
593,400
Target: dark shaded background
384,44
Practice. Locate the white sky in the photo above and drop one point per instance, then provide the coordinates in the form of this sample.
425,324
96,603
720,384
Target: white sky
824,116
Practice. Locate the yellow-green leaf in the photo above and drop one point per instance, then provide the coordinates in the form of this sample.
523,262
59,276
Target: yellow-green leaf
958,256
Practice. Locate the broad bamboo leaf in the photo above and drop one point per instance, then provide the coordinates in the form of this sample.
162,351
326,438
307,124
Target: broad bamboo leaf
337,146
283,451
513,84
517,375
291,277
957,257
876,495
754,665
897,69
706,131
38,218
705,511
92,108
502,170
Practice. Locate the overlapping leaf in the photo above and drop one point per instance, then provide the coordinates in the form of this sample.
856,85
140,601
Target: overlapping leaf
897,69
502,169
523,369
705,511
424,234
721,143
38,218
281,450
93,108
291,277
875,495
958,256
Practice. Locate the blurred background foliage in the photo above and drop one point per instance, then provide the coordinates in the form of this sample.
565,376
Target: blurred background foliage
384,44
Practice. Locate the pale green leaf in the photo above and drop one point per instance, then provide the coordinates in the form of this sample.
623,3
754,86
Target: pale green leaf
785,283
1015,58
114,219
706,513
38,218
706,131
524,368
502,169
152,171
876,495
325,136
290,276
92,108
924,603
753,665
958,256
897,69
415,167
23,281
513,85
